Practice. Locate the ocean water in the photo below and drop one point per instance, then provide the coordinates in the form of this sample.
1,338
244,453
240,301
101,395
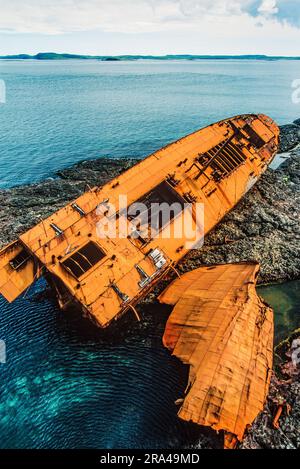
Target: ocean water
64,385
285,300
58,113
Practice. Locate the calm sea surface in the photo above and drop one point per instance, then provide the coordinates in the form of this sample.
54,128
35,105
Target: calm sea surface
58,113
64,385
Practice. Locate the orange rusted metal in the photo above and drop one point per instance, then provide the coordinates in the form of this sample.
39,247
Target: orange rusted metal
277,416
106,276
224,331
12,283
281,406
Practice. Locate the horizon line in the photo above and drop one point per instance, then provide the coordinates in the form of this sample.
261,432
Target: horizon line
52,55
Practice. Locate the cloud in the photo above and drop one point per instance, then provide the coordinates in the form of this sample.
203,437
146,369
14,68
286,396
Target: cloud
268,7
134,16
283,11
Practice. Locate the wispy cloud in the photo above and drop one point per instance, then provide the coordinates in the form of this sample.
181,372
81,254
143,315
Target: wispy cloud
63,16
283,11
268,8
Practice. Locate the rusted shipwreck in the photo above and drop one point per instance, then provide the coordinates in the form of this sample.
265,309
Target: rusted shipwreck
224,331
108,275
219,325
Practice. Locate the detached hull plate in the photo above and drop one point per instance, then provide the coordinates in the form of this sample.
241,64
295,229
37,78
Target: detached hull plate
224,331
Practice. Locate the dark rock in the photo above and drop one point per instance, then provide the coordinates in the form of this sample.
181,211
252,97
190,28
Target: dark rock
284,389
96,172
290,137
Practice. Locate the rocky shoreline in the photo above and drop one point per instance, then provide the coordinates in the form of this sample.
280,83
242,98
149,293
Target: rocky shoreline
284,393
264,227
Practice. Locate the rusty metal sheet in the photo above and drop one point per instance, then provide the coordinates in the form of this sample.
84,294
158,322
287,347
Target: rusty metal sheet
14,282
224,331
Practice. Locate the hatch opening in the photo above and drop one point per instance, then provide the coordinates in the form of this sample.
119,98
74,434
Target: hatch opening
155,210
20,260
83,259
255,139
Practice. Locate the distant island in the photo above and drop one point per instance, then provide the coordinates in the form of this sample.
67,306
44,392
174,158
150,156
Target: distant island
56,56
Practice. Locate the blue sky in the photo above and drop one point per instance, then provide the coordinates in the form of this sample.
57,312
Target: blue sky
150,26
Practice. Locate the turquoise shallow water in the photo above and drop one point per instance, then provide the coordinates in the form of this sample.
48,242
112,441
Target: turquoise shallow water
63,385
66,386
285,300
58,113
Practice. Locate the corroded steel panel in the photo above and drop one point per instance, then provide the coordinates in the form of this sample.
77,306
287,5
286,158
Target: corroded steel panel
224,331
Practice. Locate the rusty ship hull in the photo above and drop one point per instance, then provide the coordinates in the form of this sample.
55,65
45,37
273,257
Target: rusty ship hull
108,275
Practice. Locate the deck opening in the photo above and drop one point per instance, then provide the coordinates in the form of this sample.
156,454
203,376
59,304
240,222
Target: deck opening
255,139
20,260
155,210
83,259
222,159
